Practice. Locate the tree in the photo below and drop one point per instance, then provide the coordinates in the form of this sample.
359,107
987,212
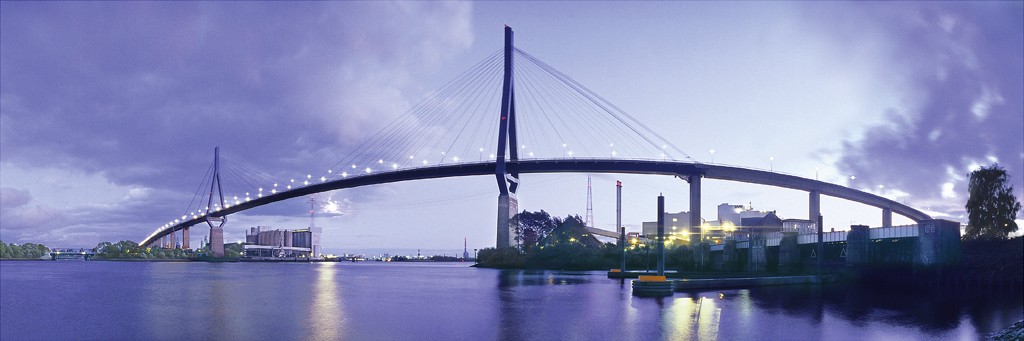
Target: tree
571,230
5,251
991,207
531,227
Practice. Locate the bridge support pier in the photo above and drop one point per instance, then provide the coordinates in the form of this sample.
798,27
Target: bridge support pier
789,253
172,240
661,235
216,242
216,235
757,259
696,237
814,205
858,245
938,243
184,239
886,217
695,222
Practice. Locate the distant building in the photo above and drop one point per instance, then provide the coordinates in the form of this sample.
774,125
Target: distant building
736,213
731,219
768,223
262,242
676,225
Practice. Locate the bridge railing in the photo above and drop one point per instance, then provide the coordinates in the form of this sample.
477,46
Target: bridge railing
827,237
901,231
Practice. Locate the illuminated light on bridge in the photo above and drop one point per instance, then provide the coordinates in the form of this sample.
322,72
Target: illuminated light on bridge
344,174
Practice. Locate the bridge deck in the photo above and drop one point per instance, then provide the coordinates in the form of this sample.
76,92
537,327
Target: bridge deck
624,166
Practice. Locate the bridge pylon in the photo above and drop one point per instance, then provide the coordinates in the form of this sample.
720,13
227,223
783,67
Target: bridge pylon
505,173
216,231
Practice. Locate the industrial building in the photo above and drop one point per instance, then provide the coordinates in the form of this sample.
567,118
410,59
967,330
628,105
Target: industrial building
731,219
261,243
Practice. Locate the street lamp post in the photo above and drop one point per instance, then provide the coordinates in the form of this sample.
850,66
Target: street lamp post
712,155
771,163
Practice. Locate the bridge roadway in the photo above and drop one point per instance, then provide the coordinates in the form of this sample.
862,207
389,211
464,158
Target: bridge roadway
684,170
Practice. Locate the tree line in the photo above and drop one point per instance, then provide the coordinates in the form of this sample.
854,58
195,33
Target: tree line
127,249
23,251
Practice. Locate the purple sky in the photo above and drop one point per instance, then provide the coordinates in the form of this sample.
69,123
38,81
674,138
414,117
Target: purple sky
109,111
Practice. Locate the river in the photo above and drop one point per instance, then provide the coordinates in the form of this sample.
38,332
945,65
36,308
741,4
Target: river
72,300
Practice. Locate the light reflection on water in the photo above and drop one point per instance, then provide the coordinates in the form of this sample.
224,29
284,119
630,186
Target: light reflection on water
326,317
376,301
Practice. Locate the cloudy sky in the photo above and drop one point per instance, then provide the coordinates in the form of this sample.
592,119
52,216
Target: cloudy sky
109,112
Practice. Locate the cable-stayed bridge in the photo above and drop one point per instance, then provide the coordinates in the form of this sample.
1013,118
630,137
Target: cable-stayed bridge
508,115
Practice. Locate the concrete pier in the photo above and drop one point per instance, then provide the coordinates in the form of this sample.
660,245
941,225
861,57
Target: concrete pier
813,205
886,217
216,242
757,260
695,222
789,253
507,209
184,239
858,245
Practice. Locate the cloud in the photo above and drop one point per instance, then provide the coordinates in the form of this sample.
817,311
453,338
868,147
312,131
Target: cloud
137,94
11,197
960,65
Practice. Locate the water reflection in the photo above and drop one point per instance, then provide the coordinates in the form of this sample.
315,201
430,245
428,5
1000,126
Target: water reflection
936,310
512,278
693,318
372,301
326,317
